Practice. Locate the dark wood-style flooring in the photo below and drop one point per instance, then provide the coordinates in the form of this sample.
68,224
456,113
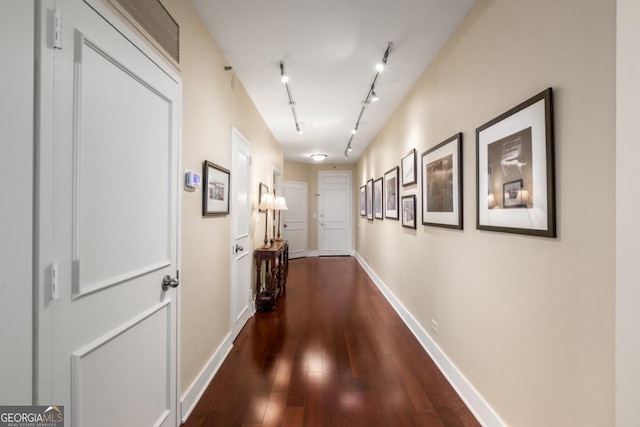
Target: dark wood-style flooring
333,353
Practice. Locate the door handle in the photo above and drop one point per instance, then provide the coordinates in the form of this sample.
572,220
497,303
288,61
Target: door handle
168,282
239,248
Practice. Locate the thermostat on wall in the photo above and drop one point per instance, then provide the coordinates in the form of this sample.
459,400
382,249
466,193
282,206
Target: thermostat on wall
192,179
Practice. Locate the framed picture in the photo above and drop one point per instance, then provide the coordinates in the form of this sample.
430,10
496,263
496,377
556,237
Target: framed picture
215,194
363,200
262,189
391,193
408,164
409,211
369,197
515,183
377,199
442,184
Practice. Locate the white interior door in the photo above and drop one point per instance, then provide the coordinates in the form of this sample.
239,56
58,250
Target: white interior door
110,215
294,220
241,309
334,213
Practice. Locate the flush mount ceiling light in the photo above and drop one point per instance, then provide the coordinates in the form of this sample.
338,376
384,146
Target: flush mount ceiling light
284,77
371,96
318,157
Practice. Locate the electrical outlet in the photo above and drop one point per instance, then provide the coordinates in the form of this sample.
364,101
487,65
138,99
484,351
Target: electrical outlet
434,326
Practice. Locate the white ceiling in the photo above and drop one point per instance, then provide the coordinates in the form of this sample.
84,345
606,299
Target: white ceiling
329,48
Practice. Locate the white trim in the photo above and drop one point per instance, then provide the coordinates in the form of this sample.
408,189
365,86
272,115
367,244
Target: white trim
312,254
197,388
467,392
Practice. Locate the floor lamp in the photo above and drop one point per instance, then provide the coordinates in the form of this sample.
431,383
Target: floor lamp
281,205
267,202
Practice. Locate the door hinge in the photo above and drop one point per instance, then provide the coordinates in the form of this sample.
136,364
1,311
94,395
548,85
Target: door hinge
250,161
55,281
57,29
178,274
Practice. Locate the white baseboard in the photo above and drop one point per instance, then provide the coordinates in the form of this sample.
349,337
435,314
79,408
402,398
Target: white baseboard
193,394
313,254
474,401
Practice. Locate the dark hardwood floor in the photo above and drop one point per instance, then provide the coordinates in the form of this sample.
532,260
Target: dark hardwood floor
333,353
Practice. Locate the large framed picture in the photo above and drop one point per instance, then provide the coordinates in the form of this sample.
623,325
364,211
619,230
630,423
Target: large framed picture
515,170
408,207
442,184
363,200
408,164
215,194
369,197
377,199
391,193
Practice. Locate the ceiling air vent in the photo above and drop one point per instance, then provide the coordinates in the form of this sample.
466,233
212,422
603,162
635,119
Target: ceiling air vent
156,21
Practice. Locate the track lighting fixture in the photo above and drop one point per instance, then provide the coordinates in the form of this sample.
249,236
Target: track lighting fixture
285,79
380,66
283,76
372,96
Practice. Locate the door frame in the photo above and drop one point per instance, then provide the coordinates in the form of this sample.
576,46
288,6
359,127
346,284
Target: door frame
43,191
306,216
235,133
351,192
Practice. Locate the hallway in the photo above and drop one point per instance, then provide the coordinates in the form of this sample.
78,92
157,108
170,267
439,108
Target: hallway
333,353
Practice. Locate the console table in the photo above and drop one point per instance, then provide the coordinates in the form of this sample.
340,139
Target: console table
276,261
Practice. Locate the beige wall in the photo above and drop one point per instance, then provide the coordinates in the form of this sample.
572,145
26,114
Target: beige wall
308,172
16,184
529,321
214,102
627,214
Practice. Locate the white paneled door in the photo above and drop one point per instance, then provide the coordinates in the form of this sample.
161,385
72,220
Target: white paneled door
334,213
294,220
108,223
241,309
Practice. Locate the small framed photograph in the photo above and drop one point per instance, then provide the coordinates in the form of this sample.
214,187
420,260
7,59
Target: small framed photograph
377,199
262,190
515,195
215,194
370,199
442,184
363,200
408,164
515,167
408,207
391,193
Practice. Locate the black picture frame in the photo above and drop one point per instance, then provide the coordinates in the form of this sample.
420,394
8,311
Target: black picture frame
408,206
518,145
370,200
378,197
216,191
391,193
363,200
262,189
408,163
441,168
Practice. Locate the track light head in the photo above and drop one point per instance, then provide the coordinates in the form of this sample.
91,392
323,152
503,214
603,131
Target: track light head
380,67
354,131
283,76
374,96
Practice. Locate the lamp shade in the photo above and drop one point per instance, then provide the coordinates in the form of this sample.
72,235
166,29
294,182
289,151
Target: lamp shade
267,202
281,204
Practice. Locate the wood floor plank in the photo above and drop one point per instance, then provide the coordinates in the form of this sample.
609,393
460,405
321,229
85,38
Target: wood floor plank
332,353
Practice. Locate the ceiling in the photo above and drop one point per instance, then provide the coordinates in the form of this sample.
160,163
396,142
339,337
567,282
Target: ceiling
329,48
